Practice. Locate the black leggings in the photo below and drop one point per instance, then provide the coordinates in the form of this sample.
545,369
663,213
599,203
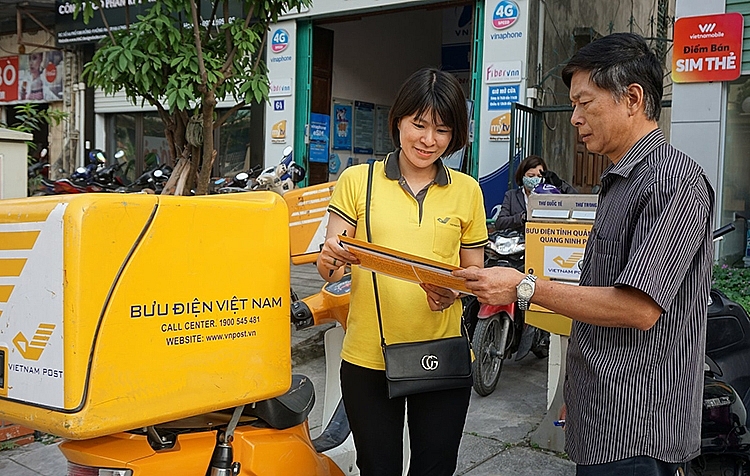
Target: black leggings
436,423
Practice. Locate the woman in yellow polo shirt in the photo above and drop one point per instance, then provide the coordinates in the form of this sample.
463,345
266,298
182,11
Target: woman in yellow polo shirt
422,207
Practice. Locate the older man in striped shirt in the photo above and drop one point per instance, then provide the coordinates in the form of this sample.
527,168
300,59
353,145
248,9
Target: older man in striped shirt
635,361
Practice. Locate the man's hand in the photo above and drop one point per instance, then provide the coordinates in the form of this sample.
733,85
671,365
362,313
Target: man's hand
495,286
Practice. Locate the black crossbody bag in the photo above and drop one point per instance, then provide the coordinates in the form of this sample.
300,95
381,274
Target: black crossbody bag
426,366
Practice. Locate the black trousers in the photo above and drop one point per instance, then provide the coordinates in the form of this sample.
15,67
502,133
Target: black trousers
635,466
436,423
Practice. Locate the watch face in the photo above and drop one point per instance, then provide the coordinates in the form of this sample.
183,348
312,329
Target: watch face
525,290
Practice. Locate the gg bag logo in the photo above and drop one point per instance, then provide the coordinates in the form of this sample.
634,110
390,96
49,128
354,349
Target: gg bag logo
33,350
505,15
430,362
279,40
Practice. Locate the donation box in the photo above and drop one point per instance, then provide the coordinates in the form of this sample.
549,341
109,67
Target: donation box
123,311
557,229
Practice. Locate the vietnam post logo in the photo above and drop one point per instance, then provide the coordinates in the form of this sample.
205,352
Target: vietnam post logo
279,40
571,261
32,350
505,15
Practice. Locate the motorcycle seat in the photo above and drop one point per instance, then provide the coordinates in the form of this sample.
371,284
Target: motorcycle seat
289,409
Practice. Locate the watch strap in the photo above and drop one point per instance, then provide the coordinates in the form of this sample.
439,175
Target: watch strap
524,304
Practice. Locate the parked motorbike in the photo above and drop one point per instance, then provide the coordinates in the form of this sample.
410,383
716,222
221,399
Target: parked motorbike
37,176
282,177
242,182
499,332
725,439
152,180
109,177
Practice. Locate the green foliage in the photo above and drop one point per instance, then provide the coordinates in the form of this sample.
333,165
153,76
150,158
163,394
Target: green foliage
734,282
157,57
29,118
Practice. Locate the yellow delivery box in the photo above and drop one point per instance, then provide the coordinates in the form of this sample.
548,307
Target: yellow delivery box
123,311
556,236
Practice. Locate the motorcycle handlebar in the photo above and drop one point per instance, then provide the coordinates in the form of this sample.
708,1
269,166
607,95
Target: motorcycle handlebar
724,230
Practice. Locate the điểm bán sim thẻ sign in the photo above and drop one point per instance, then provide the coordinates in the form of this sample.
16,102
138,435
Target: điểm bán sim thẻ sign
707,48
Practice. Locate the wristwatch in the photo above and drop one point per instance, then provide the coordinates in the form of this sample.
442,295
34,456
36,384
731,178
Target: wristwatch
525,290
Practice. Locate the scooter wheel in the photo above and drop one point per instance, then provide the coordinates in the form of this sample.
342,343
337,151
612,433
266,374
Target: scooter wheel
489,344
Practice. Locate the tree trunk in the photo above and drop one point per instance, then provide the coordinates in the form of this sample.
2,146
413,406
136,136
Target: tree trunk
209,154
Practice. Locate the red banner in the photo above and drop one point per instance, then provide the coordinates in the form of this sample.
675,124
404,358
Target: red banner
707,48
9,79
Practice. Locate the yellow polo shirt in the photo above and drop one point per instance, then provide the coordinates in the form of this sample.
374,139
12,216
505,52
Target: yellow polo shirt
449,217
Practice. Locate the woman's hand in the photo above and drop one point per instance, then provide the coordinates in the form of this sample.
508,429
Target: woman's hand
333,256
439,299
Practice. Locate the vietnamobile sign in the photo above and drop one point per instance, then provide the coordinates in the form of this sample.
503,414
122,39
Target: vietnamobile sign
707,48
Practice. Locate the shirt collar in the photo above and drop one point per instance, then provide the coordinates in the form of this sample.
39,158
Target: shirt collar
393,171
644,146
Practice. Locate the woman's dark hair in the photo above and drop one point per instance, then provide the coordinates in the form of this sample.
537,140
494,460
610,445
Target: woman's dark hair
615,62
436,91
529,163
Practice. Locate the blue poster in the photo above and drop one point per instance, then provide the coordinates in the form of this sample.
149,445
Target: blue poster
319,133
364,127
342,126
502,96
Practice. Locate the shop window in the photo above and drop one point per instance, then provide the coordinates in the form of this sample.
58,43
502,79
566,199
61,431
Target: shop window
155,145
233,144
736,176
124,140
141,136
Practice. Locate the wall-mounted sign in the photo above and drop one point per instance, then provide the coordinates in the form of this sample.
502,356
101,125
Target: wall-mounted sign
502,97
37,77
320,130
364,127
280,87
279,40
500,128
505,15
502,72
342,125
72,30
707,48
383,142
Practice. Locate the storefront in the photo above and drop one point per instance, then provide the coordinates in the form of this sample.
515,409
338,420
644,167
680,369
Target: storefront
42,76
336,67
136,128
138,131
711,120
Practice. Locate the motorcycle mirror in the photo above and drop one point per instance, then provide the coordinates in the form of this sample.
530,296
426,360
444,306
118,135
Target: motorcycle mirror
242,176
119,154
43,153
158,173
287,151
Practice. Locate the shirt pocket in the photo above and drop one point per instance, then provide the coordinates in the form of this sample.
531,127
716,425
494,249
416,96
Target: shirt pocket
608,259
447,238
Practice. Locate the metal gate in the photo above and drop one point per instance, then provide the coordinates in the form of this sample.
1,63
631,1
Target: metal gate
525,137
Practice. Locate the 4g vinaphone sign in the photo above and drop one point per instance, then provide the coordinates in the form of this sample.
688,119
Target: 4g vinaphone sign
707,48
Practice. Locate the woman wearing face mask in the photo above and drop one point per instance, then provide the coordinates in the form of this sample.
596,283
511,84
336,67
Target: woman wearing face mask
513,211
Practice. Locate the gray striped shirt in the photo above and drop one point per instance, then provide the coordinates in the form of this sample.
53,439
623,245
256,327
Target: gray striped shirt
631,392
